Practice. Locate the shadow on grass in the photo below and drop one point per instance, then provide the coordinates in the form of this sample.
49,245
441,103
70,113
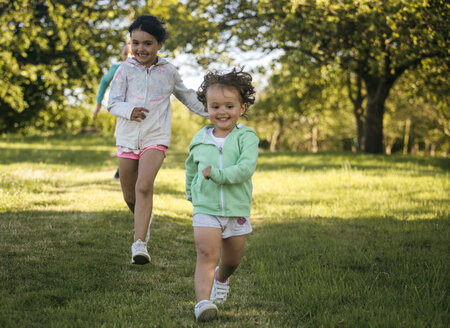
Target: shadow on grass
313,271
59,264
323,271
77,150
64,140
68,157
302,161
60,149
110,184
76,157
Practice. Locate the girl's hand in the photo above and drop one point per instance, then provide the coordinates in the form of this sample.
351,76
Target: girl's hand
206,172
97,109
138,114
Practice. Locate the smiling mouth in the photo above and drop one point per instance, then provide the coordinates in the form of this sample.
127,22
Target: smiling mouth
223,118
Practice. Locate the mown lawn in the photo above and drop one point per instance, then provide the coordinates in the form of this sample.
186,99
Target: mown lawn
340,240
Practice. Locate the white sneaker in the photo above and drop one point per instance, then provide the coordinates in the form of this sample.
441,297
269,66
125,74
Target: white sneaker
205,311
139,253
219,290
147,237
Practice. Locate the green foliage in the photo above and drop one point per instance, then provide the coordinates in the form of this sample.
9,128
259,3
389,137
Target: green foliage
303,107
49,58
52,55
339,240
417,118
376,40
184,125
105,122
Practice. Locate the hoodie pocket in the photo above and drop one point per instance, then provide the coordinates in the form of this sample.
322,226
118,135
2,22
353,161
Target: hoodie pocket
205,193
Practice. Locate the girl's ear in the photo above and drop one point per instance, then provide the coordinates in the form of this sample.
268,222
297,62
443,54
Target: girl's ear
243,109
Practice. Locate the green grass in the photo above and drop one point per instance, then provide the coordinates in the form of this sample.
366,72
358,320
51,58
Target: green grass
340,240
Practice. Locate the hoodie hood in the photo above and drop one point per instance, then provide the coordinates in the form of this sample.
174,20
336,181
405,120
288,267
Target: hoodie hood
134,62
201,137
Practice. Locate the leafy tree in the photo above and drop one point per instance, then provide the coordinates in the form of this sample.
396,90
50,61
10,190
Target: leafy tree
417,117
376,40
299,100
49,55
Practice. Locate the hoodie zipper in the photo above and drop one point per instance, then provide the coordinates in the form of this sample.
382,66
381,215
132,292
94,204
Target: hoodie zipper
207,142
147,71
221,186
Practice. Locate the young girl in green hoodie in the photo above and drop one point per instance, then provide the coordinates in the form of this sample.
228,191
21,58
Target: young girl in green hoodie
219,169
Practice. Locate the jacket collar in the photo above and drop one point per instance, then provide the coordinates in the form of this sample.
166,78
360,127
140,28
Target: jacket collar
201,136
132,61
205,130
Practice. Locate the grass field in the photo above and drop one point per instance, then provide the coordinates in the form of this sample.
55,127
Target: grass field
340,240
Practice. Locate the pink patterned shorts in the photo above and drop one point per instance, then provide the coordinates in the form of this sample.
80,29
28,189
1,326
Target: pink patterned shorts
132,155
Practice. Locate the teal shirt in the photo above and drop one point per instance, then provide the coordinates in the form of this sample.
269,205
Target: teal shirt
104,83
228,191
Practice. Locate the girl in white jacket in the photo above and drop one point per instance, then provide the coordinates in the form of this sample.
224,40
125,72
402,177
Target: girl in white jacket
140,98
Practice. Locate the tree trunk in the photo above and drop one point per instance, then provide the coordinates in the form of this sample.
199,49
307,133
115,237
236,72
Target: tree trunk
314,144
356,96
277,135
377,92
406,136
314,137
373,132
359,117
433,149
388,149
274,140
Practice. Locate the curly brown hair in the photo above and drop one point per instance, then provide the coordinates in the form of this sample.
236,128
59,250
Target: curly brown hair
238,79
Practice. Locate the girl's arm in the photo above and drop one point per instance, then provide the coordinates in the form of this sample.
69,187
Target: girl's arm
191,170
245,166
116,102
104,83
188,97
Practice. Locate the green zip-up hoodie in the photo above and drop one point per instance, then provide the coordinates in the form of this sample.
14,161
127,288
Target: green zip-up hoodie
228,191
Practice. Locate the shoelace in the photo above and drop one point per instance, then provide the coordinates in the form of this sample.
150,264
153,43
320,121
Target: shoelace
221,290
140,246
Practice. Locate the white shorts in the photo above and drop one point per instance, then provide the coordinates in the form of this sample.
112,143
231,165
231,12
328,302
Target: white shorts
230,226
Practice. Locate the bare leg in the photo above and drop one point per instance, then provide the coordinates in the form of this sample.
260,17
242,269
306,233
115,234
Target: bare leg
232,250
128,177
149,165
207,242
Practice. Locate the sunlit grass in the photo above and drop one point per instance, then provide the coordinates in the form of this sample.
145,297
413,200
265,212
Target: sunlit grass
339,240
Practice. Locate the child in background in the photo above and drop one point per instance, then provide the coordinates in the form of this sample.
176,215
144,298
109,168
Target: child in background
107,78
140,99
219,169
104,84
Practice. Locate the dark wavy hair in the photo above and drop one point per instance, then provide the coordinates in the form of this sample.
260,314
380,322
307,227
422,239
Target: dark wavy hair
151,25
238,79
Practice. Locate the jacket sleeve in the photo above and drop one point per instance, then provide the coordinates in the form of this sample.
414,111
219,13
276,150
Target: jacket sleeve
245,166
117,105
188,97
191,171
104,83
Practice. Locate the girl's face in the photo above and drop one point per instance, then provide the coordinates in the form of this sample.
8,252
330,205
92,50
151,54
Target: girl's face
224,107
145,47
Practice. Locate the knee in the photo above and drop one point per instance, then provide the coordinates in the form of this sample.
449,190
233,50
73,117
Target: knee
144,188
206,254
